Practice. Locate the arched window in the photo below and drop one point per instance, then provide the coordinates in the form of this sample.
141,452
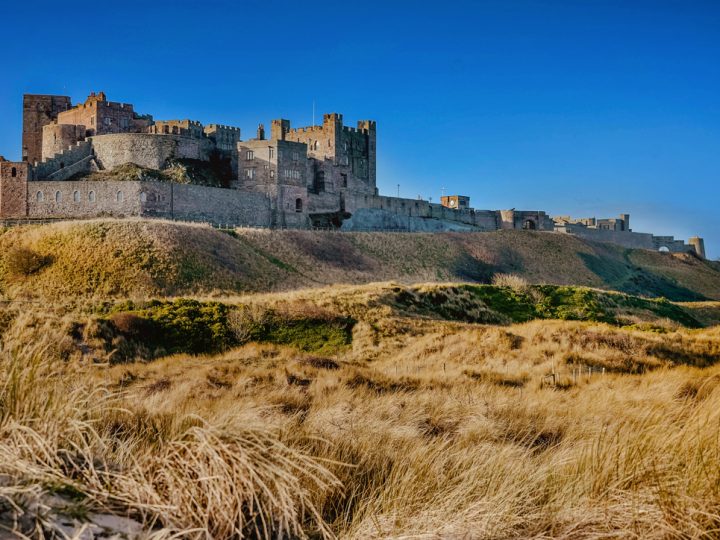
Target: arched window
39,197
120,196
91,196
76,196
298,205
13,172
58,196
143,197
529,225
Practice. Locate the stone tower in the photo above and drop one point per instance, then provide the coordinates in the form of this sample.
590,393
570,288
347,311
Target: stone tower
332,128
279,129
39,111
13,188
370,127
698,245
626,222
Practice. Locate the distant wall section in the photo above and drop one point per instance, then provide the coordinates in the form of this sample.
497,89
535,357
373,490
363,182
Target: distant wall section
627,239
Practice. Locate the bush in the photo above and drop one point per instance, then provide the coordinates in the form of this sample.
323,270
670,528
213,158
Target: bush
23,262
514,281
190,326
305,326
133,326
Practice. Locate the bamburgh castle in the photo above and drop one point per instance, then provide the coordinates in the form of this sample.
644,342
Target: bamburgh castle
102,158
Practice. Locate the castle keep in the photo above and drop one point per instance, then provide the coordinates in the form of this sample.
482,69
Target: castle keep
102,158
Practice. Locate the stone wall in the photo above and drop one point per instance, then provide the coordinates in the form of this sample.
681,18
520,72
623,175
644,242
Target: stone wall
61,167
218,205
186,128
628,239
371,219
52,199
59,137
83,199
147,150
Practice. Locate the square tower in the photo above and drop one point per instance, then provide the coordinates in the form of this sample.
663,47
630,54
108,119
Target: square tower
13,188
39,111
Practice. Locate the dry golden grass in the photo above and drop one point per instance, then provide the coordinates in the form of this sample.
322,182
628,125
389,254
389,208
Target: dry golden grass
422,429
136,258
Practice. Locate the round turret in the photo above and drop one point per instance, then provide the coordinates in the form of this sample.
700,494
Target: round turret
698,245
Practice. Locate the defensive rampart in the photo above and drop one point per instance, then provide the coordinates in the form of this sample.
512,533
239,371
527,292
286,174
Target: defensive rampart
82,199
147,150
628,239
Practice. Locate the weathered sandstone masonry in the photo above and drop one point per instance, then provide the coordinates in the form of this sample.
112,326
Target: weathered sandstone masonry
82,199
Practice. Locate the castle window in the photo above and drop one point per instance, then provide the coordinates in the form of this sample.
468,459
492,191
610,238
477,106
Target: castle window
76,196
13,172
343,177
124,123
298,205
271,152
143,197
120,197
108,121
58,197
249,155
249,174
272,174
295,156
91,196
39,197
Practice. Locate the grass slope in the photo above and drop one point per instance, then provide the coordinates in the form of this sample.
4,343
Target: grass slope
419,428
142,258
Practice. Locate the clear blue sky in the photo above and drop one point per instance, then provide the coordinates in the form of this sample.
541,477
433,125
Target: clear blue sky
581,107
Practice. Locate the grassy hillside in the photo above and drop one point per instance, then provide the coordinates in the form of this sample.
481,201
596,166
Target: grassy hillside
414,419
143,258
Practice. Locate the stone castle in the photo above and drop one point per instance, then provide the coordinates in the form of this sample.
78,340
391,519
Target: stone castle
102,158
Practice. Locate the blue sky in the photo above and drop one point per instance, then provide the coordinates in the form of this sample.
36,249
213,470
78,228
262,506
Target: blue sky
582,107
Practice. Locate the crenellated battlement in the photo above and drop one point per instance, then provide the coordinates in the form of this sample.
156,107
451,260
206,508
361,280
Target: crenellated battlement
332,117
222,126
306,129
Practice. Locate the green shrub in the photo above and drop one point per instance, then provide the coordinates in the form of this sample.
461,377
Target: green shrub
191,326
